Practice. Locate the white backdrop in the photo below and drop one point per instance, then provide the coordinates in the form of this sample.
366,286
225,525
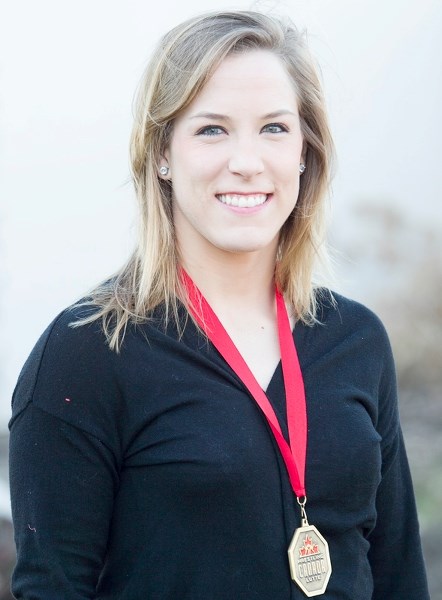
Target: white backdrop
68,72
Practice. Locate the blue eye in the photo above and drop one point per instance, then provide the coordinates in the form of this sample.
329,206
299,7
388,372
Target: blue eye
211,130
275,128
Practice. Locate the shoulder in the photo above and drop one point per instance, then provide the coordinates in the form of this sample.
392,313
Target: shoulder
351,333
65,342
352,341
67,360
346,317
67,337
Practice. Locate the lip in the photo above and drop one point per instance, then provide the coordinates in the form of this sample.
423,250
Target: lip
236,193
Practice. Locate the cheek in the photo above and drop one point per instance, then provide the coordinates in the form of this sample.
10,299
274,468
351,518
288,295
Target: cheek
207,161
286,164
192,168
289,174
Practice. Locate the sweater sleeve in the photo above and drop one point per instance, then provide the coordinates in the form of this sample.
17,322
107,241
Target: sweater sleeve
395,549
63,466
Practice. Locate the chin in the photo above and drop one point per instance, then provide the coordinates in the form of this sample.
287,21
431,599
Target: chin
245,247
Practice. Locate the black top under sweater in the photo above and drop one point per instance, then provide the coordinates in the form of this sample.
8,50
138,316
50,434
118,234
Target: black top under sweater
152,474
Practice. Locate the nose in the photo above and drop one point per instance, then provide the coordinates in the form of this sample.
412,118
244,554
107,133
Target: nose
245,158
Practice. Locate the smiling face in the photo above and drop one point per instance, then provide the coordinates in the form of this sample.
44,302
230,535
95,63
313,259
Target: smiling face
234,159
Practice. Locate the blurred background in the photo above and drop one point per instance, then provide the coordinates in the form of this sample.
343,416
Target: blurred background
68,72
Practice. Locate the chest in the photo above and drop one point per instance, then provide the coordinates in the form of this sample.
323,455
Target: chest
259,348
200,428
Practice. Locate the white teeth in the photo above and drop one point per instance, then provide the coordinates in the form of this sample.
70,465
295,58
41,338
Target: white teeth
242,201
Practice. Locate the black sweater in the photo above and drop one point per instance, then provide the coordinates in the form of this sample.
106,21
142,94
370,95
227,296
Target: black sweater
152,475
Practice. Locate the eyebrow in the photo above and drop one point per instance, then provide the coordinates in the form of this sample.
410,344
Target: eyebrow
219,117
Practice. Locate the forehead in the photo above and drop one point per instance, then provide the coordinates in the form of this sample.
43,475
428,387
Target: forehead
255,77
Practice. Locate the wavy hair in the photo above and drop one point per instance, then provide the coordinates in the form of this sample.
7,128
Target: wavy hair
181,65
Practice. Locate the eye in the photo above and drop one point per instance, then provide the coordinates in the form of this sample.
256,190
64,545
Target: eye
211,130
275,128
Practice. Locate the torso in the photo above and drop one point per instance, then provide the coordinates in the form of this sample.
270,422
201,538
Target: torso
171,477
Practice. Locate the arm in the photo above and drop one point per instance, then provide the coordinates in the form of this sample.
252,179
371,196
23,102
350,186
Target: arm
62,486
395,552
395,548
63,469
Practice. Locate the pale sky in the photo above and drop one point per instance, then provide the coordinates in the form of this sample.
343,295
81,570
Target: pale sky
68,73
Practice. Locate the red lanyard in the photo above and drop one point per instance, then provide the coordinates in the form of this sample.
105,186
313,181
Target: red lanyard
293,454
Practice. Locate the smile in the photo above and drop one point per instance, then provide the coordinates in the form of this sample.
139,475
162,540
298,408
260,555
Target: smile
243,200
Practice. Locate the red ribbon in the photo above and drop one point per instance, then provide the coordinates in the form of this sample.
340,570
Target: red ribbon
295,453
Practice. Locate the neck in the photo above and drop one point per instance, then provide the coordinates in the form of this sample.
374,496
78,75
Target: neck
240,291
243,281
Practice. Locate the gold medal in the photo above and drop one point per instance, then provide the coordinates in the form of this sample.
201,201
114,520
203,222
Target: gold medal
309,559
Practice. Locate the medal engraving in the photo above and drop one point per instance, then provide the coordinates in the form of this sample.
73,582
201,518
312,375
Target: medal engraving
309,560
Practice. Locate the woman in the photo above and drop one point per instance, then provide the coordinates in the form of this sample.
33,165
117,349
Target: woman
146,460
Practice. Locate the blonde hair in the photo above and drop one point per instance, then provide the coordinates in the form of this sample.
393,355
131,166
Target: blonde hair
179,68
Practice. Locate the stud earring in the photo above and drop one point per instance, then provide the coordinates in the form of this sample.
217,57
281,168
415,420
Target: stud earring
164,171
302,168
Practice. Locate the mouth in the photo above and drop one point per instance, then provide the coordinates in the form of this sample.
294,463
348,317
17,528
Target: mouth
243,200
